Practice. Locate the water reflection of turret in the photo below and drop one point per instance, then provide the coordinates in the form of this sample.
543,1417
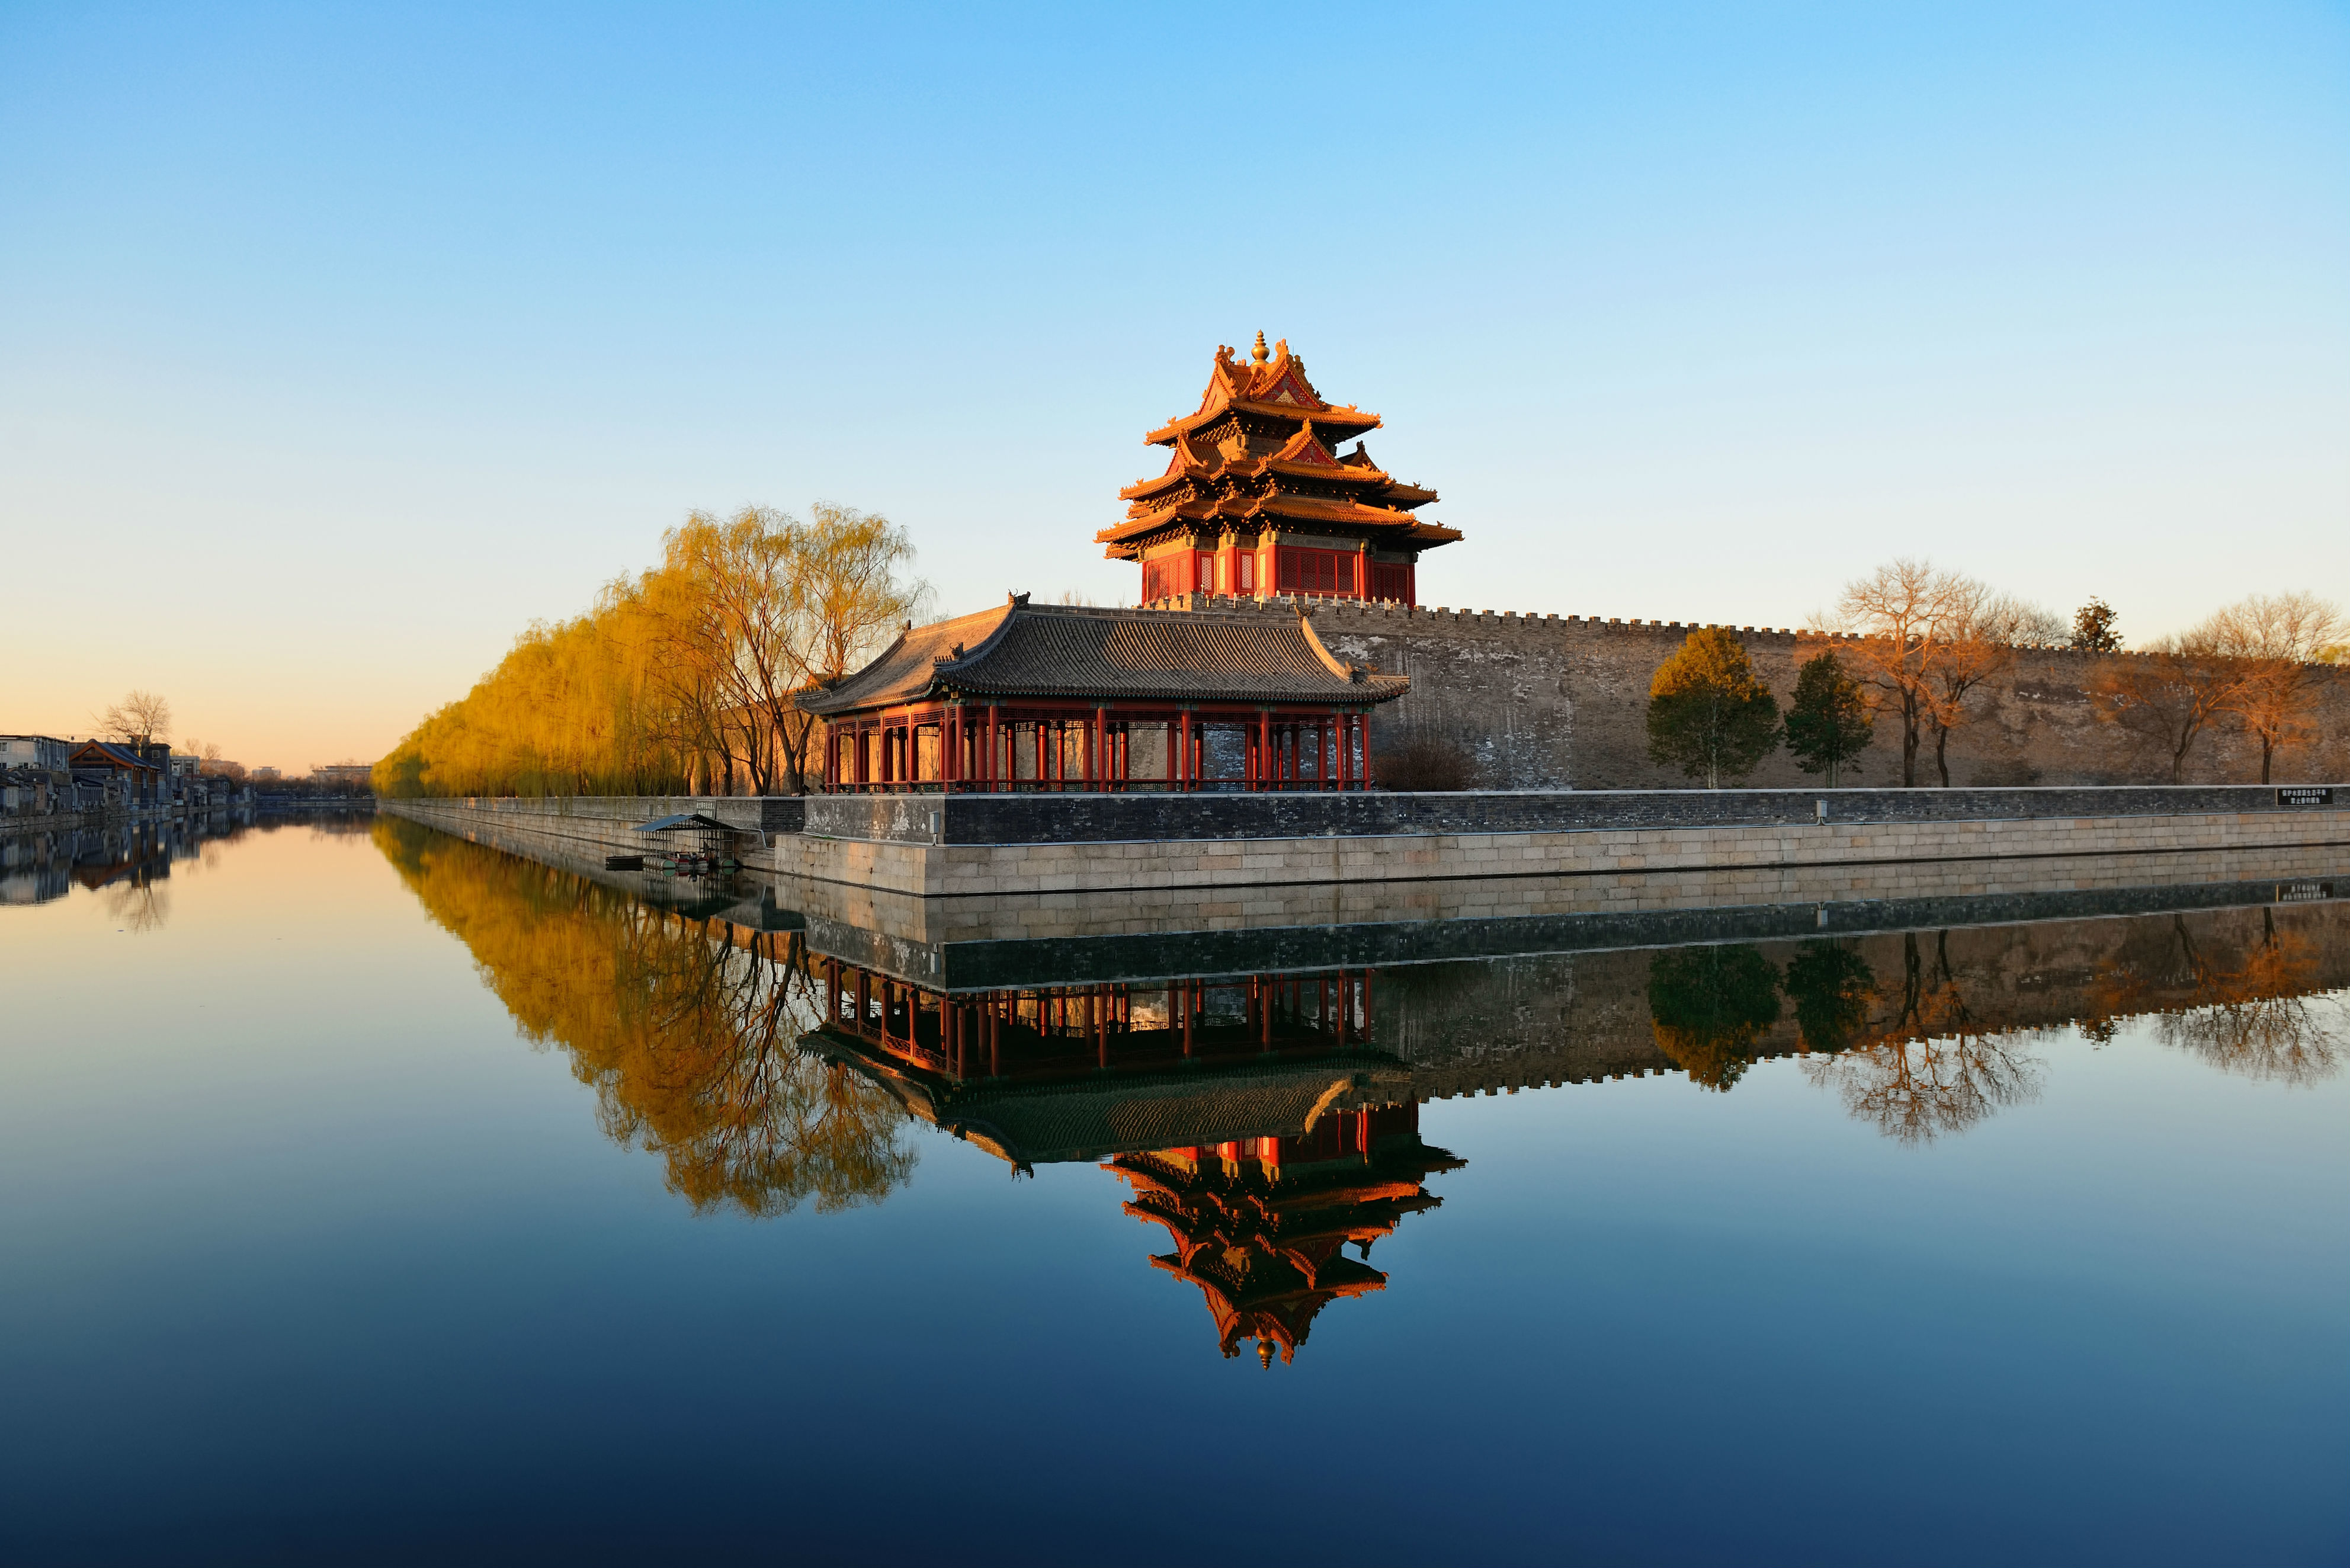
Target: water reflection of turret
1250,1117
1259,1224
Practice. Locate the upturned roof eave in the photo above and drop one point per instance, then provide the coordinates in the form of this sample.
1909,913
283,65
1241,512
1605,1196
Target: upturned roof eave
1297,508
1377,689
1353,419
1333,471
1371,691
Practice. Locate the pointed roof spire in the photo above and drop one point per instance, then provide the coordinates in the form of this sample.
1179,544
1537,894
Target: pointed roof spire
1259,353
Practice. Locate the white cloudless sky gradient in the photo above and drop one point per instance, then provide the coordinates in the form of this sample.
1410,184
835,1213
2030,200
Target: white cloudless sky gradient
337,344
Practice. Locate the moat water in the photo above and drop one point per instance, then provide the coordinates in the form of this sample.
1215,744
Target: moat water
368,1196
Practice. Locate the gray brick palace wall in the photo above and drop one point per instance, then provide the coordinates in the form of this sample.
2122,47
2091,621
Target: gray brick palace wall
1545,702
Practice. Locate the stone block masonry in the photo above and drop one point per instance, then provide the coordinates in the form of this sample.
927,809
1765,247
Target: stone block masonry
590,825
1547,702
991,845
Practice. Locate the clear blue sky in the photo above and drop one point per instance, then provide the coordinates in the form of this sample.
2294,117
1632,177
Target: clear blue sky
338,343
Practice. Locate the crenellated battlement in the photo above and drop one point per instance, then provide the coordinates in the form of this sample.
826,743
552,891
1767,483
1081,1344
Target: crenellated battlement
1342,610
1549,700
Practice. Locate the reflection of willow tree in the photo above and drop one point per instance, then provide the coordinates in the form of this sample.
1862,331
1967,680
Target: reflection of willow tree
689,1036
2250,1013
1931,1067
1707,1007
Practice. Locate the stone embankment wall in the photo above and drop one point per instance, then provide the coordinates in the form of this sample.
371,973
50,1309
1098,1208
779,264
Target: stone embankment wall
589,825
1545,702
977,845
1741,842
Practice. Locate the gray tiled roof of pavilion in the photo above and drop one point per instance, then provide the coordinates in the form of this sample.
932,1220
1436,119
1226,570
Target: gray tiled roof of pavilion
1020,649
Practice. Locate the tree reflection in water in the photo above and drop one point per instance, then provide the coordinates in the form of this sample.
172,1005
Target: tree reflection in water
687,1029
1709,1008
2249,1010
141,903
1931,1066
1833,990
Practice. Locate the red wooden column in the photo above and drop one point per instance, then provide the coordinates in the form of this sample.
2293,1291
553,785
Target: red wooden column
1169,761
1183,770
1367,750
1101,747
1265,772
1346,722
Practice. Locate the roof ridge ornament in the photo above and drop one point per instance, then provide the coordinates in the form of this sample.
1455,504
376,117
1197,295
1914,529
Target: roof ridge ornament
1259,354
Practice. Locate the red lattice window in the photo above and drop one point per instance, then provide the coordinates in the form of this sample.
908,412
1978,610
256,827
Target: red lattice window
1314,571
1166,577
1390,580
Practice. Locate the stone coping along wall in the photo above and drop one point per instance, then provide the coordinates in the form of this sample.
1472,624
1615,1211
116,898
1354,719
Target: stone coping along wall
1085,818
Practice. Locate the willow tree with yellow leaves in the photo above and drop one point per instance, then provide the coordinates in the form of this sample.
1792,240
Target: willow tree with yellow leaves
683,678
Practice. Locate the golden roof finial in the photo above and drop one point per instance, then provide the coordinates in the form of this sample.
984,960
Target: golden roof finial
1258,353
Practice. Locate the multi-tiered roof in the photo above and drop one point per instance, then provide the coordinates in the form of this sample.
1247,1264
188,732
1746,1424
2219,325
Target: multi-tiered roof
1261,454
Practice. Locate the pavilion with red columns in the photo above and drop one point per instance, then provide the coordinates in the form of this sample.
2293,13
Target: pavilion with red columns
1062,698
